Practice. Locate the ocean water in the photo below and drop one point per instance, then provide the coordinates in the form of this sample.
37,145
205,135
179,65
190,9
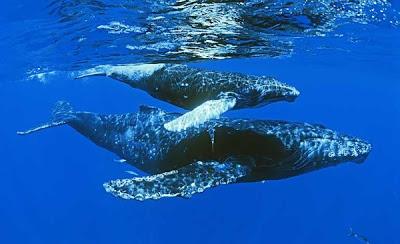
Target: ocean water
343,56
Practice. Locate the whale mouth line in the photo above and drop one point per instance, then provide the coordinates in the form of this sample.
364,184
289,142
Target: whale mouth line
290,95
291,98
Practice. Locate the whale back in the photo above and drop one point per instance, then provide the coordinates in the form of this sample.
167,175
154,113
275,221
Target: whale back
188,87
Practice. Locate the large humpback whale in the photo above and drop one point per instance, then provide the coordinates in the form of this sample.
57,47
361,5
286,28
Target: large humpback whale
217,152
208,93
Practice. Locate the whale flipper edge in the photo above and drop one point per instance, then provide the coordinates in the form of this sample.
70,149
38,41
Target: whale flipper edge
41,127
184,182
133,72
81,76
211,109
62,113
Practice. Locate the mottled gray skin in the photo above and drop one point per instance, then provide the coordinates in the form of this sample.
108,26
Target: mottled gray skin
188,87
271,149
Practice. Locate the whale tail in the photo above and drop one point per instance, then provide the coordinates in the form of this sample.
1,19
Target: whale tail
62,114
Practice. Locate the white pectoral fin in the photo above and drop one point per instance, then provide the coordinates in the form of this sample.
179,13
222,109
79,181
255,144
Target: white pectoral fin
211,109
183,182
41,127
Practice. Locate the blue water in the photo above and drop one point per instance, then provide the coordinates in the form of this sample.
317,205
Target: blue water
51,182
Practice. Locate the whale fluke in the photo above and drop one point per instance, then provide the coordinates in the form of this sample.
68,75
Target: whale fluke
211,109
62,113
183,182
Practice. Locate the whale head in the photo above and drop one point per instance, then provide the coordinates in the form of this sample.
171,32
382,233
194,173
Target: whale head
331,149
346,149
272,90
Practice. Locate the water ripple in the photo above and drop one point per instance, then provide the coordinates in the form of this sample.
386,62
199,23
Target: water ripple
82,33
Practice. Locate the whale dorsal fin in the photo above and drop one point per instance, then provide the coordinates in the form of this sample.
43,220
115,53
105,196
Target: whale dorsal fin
184,182
211,109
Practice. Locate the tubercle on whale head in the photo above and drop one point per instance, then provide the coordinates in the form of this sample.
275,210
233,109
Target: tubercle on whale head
328,151
353,150
274,91
290,93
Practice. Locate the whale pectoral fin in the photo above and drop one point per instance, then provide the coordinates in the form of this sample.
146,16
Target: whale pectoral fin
183,182
209,110
100,70
41,127
62,114
85,75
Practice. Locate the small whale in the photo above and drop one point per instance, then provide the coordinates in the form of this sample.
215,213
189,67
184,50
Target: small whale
207,93
358,236
191,161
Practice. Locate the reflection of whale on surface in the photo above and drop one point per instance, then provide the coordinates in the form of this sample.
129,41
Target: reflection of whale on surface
217,152
209,93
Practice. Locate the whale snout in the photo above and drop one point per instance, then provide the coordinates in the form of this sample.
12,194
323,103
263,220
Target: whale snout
278,91
333,149
362,149
349,149
290,93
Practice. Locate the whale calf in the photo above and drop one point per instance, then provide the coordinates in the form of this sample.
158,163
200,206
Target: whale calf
207,93
220,151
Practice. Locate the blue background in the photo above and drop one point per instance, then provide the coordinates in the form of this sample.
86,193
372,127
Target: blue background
51,182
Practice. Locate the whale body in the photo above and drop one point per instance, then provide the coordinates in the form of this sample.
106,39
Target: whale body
218,152
207,93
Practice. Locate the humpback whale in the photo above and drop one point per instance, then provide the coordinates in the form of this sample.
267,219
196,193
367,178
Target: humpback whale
207,93
220,151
